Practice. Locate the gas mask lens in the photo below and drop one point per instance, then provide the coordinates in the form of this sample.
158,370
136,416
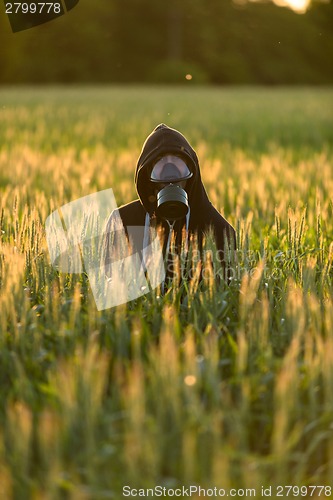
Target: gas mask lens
170,169
172,199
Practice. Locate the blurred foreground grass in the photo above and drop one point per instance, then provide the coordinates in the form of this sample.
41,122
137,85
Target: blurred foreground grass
232,387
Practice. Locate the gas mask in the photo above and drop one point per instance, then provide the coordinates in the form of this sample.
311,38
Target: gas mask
170,174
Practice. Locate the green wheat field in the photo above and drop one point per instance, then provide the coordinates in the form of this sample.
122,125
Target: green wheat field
231,387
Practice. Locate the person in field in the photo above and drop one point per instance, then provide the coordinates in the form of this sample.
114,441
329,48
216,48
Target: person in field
171,197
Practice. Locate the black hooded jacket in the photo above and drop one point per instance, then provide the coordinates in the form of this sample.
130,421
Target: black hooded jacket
203,216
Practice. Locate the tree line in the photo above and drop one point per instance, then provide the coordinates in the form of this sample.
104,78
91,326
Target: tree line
197,41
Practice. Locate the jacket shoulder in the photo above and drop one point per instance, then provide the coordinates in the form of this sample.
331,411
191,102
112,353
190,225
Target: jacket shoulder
222,228
132,214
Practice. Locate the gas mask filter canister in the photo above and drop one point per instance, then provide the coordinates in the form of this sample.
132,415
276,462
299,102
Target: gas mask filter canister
172,199
172,202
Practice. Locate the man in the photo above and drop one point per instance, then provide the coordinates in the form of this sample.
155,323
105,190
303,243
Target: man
171,198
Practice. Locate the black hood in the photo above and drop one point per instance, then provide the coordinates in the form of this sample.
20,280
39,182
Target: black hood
165,140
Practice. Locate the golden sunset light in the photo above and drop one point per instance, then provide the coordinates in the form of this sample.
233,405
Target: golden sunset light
297,5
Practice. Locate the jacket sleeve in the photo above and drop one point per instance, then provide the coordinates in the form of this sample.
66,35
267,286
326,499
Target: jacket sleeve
225,239
115,242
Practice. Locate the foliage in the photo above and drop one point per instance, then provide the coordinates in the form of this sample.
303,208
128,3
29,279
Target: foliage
227,42
211,384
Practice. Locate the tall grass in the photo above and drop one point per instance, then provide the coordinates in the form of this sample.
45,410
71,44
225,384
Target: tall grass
210,384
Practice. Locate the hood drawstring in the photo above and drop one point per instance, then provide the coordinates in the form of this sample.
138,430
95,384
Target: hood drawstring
147,252
186,244
166,257
145,245
187,226
146,241
146,231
